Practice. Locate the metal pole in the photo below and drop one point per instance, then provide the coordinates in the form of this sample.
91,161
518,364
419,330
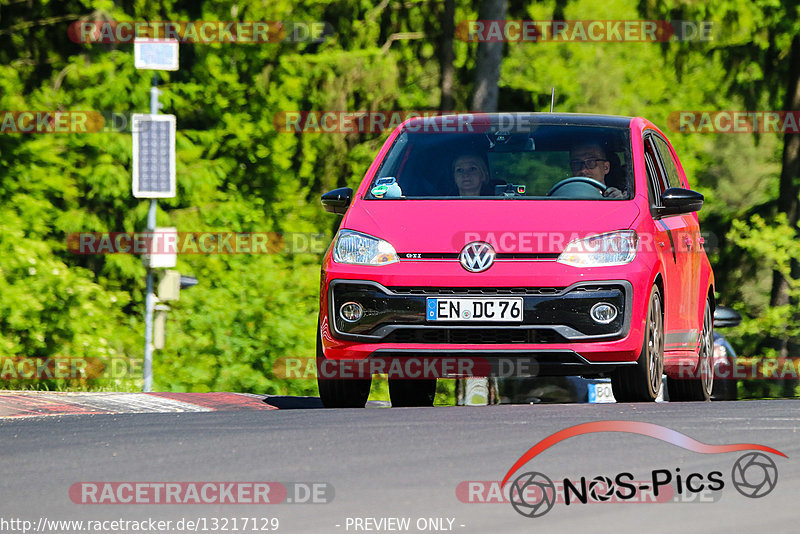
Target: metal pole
149,303
150,298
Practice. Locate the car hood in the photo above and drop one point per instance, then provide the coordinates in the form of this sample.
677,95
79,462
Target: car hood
511,226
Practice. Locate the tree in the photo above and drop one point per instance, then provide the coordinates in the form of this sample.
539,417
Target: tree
488,61
447,56
759,44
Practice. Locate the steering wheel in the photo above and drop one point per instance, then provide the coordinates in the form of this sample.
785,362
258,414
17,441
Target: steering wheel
577,179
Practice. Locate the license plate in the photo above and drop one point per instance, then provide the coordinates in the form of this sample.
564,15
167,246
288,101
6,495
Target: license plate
601,392
475,309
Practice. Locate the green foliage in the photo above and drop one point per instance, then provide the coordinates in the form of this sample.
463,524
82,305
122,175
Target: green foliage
236,173
774,245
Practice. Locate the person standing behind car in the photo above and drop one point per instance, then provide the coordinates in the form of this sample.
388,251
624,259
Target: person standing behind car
591,161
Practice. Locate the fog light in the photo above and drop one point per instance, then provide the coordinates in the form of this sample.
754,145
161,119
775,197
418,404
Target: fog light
351,311
603,313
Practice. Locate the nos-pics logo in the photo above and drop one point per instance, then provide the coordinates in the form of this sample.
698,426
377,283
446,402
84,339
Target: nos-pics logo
533,494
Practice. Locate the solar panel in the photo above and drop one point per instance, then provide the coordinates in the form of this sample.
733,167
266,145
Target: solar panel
153,156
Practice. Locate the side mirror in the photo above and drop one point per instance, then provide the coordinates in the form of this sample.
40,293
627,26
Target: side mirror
338,200
725,317
677,201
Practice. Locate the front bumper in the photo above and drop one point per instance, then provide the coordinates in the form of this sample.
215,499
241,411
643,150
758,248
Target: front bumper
550,315
556,333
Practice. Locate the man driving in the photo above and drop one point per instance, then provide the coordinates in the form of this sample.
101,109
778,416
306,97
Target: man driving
591,161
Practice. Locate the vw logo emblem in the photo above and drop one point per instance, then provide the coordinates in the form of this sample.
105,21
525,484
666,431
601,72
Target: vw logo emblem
477,256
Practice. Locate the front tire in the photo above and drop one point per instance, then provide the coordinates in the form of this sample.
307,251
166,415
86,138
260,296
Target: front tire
699,388
642,382
339,392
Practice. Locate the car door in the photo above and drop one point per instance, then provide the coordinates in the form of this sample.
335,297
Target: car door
662,240
681,295
687,241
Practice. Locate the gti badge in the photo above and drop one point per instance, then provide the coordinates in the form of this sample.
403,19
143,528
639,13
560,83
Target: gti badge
477,256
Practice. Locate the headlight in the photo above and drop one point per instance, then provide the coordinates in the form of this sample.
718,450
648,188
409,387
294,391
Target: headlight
362,249
614,248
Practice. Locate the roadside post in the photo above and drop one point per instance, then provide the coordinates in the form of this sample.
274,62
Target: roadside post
153,166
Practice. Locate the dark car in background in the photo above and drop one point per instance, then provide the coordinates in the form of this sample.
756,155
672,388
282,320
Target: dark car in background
724,356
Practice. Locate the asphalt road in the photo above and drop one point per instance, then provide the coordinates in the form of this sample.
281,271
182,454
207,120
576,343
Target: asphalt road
403,463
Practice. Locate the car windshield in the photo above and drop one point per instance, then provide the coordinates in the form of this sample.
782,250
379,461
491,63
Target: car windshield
543,161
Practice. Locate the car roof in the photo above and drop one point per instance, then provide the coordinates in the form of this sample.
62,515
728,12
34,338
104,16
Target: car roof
577,119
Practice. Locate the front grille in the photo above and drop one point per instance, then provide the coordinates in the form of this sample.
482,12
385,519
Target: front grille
476,290
475,336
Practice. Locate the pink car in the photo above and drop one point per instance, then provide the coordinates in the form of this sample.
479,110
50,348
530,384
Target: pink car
517,244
